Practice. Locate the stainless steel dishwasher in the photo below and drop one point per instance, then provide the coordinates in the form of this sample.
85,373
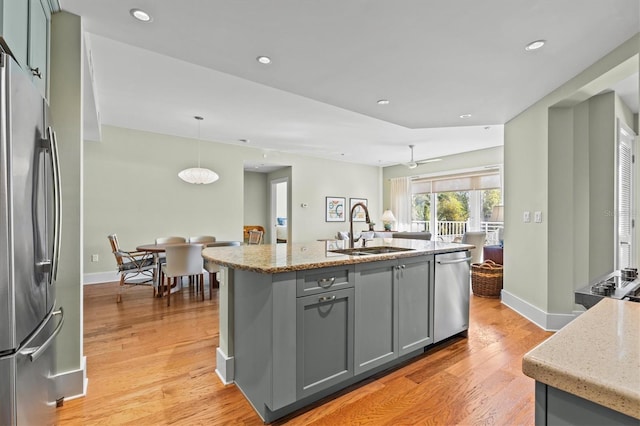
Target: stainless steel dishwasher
452,289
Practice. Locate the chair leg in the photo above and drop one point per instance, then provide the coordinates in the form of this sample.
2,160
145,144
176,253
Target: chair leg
169,291
202,286
120,287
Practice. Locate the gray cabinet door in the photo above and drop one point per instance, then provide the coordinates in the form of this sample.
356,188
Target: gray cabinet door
415,296
376,337
324,336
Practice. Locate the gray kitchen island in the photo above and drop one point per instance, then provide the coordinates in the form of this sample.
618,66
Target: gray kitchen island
301,321
588,373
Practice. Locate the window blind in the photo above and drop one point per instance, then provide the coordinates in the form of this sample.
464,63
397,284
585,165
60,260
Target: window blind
458,182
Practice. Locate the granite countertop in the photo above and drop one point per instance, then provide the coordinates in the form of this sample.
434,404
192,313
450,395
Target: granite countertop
596,357
276,258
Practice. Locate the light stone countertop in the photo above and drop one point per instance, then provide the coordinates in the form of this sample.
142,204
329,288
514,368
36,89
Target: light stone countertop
276,258
596,357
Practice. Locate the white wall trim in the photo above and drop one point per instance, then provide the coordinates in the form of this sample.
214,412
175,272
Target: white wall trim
224,367
72,384
546,321
100,277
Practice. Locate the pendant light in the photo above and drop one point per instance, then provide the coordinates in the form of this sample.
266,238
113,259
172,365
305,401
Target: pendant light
198,175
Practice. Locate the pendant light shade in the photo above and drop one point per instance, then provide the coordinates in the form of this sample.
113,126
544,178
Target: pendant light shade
198,175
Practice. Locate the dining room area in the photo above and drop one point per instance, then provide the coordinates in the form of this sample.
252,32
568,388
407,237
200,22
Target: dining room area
173,264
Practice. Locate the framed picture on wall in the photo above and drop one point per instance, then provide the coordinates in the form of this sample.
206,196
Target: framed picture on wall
334,209
358,213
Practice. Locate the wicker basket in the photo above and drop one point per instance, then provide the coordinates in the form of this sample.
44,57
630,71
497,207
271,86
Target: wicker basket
486,279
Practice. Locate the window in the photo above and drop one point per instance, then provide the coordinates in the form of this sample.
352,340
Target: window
447,206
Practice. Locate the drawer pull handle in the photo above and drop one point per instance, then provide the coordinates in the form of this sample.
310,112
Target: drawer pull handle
326,282
326,299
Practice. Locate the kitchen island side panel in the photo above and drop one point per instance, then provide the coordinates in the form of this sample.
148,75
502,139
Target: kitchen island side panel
284,340
252,336
264,338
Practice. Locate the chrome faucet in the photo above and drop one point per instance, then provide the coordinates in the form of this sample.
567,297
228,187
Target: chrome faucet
366,212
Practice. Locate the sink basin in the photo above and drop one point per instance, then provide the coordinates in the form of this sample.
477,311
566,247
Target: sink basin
364,251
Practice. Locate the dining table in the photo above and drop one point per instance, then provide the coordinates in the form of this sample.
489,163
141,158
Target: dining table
157,249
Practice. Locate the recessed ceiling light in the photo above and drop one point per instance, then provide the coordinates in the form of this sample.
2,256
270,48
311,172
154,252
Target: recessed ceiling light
383,102
140,15
534,45
465,116
264,60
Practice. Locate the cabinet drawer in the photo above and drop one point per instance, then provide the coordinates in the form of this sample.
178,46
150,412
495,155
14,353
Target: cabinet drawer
313,281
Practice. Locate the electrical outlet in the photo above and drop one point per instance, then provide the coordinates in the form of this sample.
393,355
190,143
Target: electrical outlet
526,217
95,258
537,216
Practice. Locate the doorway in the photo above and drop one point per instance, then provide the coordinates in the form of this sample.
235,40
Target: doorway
279,211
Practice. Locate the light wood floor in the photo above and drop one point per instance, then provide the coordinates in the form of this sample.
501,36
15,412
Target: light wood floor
149,364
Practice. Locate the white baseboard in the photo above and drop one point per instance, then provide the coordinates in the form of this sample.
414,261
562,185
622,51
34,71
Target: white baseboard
72,384
544,320
100,277
224,367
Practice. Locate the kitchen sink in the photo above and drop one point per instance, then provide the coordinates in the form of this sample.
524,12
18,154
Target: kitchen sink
364,251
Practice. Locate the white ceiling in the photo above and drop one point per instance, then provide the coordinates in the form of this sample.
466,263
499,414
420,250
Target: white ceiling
333,59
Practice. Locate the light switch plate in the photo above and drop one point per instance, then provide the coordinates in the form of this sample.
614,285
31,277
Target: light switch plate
537,216
526,217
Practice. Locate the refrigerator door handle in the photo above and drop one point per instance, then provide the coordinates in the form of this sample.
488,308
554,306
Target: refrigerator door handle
34,352
57,201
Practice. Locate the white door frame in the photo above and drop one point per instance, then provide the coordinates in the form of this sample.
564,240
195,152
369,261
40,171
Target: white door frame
273,208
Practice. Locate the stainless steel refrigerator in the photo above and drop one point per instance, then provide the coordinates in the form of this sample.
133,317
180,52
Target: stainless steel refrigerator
29,249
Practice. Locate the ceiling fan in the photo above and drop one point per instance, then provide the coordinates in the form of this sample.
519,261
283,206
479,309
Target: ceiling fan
413,164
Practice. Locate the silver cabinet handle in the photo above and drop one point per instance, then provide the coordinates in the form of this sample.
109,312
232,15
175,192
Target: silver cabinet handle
326,299
34,352
326,282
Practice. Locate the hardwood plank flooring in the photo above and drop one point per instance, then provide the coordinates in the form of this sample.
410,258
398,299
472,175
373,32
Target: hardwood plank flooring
149,364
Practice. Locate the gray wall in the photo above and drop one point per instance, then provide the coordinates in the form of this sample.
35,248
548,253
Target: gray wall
66,106
131,188
559,159
256,199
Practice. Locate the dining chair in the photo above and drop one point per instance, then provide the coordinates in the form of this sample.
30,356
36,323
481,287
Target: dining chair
206,239
214,268
255,236
160,257
247,228
131,265
171,240
183,260
477,238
